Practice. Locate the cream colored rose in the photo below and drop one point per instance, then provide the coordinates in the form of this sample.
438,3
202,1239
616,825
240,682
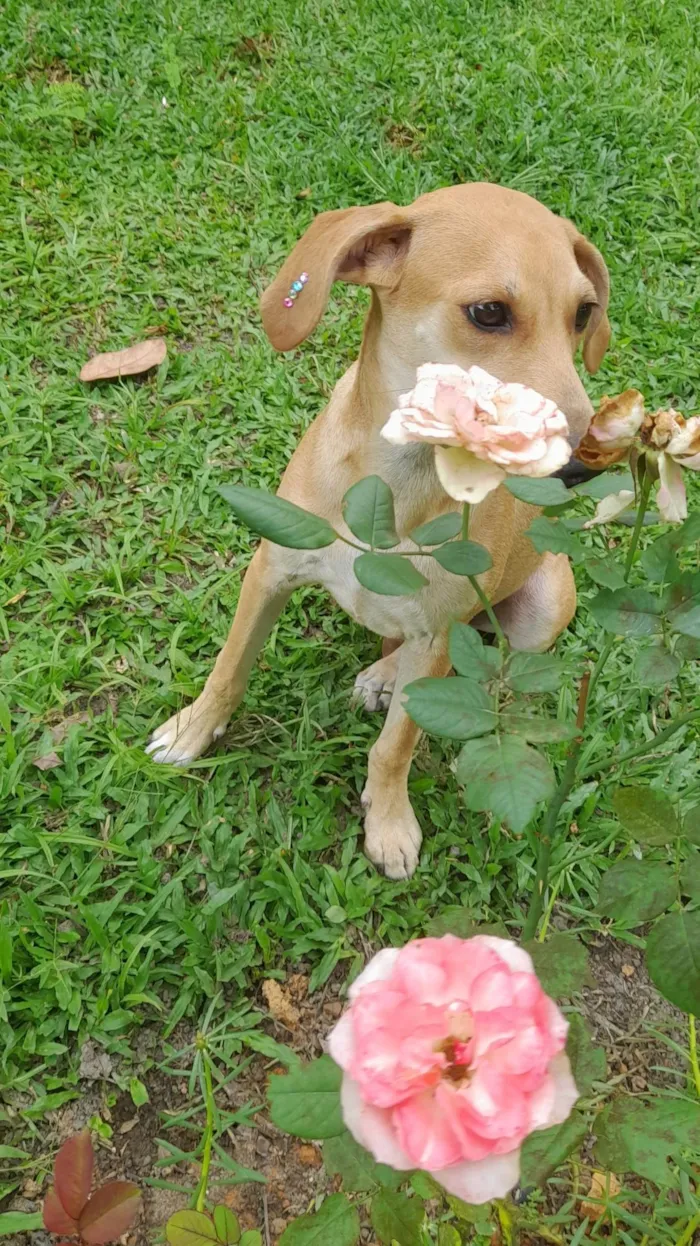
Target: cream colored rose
482,429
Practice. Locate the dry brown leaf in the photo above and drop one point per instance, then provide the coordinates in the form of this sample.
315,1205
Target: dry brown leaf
153,330
604,1186
309,1155
12,601
127,1126
129,362
279,1004
628,971
48,762
60,731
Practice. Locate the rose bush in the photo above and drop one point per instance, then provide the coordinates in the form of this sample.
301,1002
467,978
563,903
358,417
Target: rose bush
482,429
452,1054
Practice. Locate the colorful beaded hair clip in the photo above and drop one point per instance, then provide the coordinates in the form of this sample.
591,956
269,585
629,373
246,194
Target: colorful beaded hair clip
295,290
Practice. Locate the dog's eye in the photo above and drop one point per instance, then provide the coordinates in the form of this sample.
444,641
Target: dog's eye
489,315
583,315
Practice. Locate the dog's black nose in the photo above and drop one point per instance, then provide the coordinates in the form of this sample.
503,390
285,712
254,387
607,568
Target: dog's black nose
575,473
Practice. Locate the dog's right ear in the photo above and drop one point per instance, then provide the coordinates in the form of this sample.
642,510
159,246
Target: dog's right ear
366,246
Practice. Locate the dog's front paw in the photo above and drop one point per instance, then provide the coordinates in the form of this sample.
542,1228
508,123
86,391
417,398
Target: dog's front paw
188,733
392,841
374,687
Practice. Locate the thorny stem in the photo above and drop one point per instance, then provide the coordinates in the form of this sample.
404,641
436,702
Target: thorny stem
694,1063
498,630
208,1128
568,778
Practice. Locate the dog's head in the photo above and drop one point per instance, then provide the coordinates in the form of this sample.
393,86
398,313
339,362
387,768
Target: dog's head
469,274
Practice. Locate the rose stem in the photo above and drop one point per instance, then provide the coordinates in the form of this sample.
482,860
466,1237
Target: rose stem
568,778
201,1197
498,630
694,1064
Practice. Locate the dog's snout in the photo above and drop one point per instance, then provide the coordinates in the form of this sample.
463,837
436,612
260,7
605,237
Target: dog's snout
575,473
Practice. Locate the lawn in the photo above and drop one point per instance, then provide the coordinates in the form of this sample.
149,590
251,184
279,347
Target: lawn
157,164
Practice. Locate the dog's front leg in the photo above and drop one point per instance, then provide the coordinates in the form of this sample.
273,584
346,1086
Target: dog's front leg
392,834
266,589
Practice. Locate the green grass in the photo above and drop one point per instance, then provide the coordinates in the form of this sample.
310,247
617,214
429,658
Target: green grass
133,893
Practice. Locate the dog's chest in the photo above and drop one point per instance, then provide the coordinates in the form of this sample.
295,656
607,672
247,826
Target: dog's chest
420,614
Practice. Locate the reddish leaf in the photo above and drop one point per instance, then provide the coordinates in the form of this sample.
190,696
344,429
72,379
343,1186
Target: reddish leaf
110,1212
56,1218
129,362
72,1174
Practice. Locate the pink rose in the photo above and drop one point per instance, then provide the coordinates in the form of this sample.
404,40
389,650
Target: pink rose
452,1054
482,429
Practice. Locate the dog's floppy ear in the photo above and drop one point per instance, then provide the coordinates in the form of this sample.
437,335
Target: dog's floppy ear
597,337
363,245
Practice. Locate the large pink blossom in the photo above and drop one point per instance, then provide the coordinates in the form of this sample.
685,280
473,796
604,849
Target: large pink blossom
482,429
452,1054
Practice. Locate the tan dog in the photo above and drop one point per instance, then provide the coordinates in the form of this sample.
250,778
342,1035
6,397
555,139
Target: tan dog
472,274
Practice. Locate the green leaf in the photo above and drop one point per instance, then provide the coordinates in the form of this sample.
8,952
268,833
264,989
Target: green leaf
561,964
251,1238
682,600
278,520
368,510
605,572
456,708
190,1228
397,1218
673,959
389,574
505,777
337,1222
688,648
535,728
471,1213
228,1230
306,1101
12,1222
588,1063
605,484
534,672
635,891
448,1236
691,825
444,528
553,536
659,559
690,876
463,557
639,1137
425,1187
470,656
138,1092
655,667
627,611
13,1152
5,952
344,1157
460,921
646,814
548,491
547,1149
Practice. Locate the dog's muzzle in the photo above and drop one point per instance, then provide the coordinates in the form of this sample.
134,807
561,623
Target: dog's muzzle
575,473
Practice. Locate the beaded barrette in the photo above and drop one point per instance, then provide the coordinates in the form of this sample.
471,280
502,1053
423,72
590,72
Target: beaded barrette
295,290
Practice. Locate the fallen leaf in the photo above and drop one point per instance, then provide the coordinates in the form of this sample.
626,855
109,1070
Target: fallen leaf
127,1126
48,762
12,601
127,362
604,1186
60,731
279,1004
309,1155
628,970
152,330
95,1064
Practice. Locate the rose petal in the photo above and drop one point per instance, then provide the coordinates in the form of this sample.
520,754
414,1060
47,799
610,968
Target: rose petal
341,1042
379,969
671,498
610,507
481,1180
372,1127
516,958
565,1092
465,477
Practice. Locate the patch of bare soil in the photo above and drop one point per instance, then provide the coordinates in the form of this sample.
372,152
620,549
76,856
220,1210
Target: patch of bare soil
625,1013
